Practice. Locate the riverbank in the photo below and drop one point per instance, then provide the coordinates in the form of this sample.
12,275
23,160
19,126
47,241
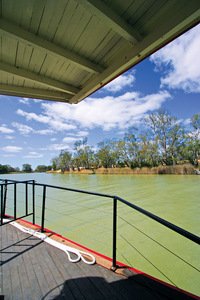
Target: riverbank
175,170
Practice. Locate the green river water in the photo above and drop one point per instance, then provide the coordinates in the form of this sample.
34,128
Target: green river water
87,219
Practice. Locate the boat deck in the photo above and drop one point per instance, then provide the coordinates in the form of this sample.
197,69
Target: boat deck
33,269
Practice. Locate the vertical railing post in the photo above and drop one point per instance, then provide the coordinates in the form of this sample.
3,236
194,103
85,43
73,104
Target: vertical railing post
5,197
26,187
43,208
33,201
15,201
114,265
1,204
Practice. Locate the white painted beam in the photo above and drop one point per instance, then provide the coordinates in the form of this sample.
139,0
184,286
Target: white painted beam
111,19
60,86
28,92
50,48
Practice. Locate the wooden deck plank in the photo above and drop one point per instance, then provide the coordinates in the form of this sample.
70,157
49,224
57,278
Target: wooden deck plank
55,269
40,273
101,284
34,289
69,286
76,275
25,284
33,269
11,281
52,286
5,272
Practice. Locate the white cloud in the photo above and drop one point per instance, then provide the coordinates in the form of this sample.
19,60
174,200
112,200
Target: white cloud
56,147
37,100
24,101
108,112
33,155
82,133
69,140
11,149
9,137
23,129
182,58
53,121
187,121
53,139
120,82
44,131
5,129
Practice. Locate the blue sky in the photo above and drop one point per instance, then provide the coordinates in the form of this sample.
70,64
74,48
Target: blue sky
35,131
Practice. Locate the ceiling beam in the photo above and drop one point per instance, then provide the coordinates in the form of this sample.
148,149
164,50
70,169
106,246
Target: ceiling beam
49,48
60,86
111,19
20,91
166,32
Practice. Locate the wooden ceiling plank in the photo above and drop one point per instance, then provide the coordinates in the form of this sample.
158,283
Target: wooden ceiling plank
34,93
27,56
38,78
48,66
83,25
7,10
132,9
115,46
50,48
26,13
111,19
47,17
90,37
156,39
72,32
17,8
8,49
121,6
36,17
20,55
64,22
37,60
56,19
148,13
161,16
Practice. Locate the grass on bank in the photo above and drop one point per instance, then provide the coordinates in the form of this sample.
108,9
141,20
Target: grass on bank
186,169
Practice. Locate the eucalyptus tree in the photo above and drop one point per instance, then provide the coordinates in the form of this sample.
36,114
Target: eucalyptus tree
26,168
149,150
168,133
193,140
133,151
83,156
64,160
55,163
107,154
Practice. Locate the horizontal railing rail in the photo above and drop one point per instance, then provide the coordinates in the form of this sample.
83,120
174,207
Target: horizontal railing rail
167,224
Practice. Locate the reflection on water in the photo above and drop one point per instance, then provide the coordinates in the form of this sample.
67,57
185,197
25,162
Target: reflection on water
88,220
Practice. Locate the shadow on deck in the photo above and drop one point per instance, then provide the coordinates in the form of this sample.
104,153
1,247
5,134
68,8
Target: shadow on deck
33,269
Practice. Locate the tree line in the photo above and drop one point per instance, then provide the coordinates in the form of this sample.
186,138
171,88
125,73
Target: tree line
164,141
26,168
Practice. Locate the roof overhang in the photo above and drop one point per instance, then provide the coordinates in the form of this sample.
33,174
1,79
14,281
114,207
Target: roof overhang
65,50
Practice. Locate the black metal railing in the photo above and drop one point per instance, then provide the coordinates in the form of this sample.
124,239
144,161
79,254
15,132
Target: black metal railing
4,187
115,199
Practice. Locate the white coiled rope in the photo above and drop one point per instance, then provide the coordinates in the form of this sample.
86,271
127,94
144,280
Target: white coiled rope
79,254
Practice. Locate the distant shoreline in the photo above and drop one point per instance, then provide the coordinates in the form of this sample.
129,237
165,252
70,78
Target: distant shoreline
175,170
